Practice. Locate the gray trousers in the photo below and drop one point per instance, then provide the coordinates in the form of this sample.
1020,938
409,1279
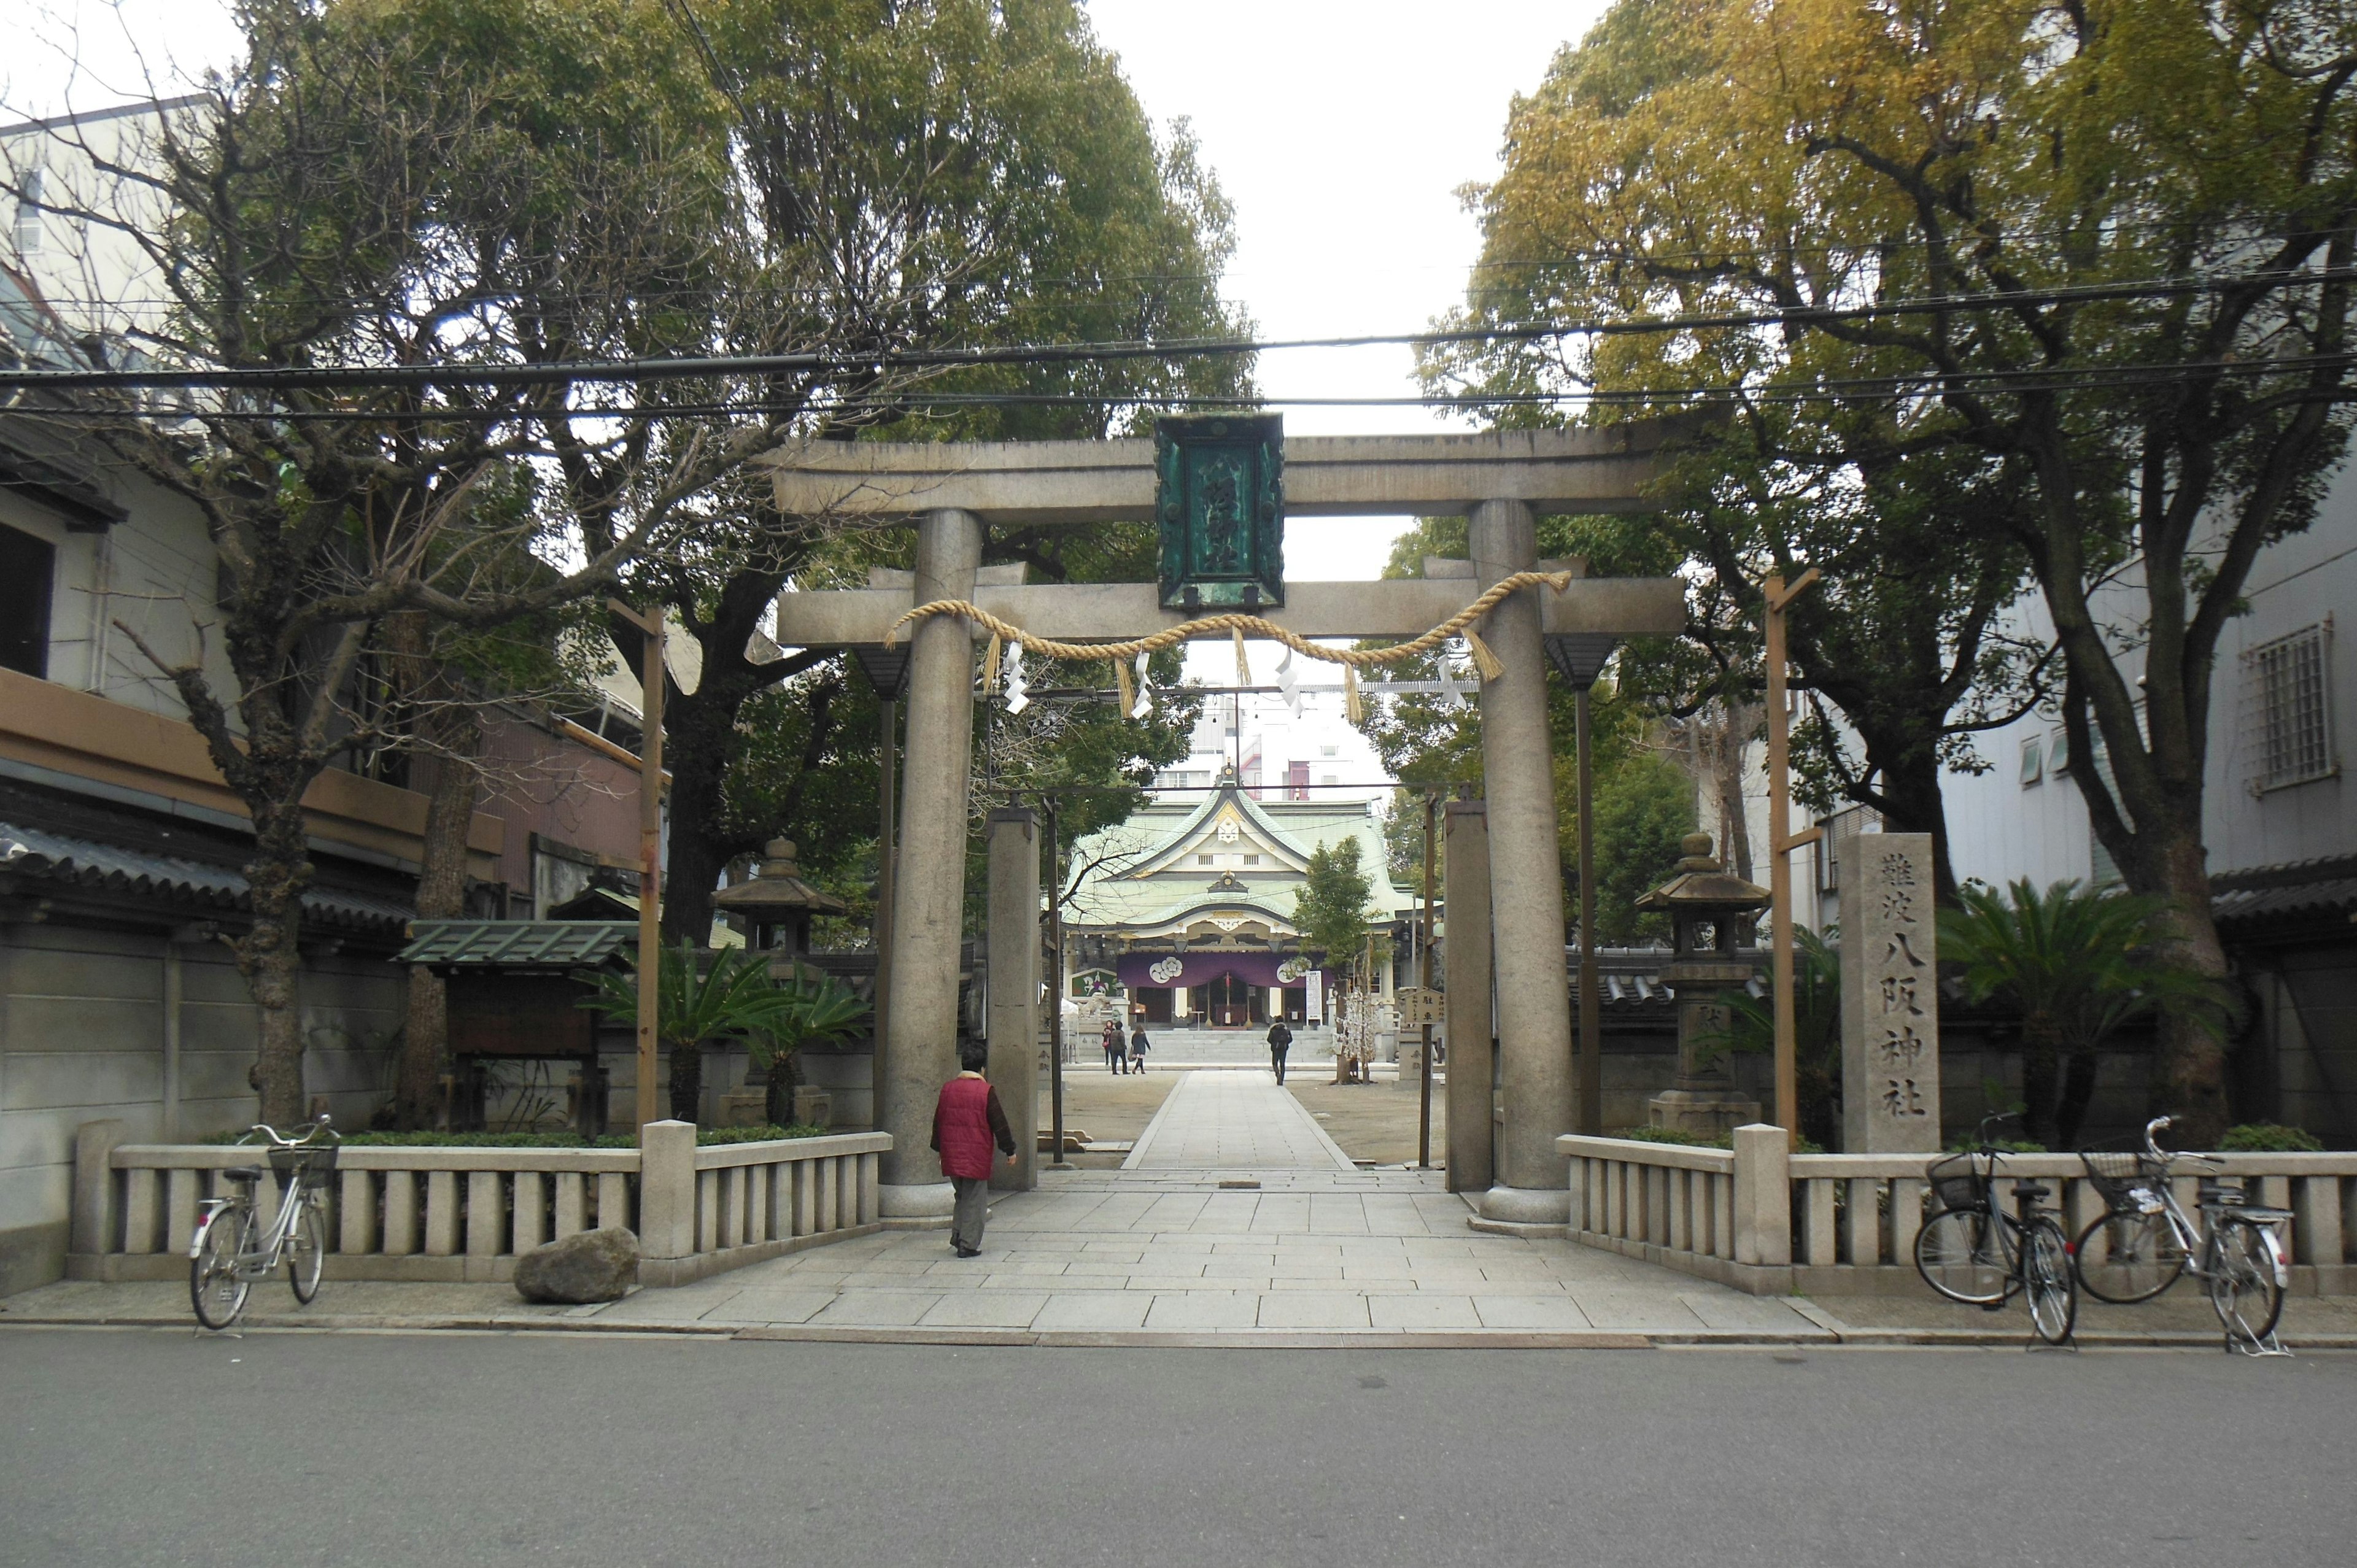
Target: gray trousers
973,1208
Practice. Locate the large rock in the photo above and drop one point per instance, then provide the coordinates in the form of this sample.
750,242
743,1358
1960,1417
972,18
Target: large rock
590,1266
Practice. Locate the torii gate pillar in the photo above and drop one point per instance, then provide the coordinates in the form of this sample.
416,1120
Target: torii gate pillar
921,1015
1532,1181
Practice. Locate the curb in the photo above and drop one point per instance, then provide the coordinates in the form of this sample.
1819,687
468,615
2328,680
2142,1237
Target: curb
1222,1340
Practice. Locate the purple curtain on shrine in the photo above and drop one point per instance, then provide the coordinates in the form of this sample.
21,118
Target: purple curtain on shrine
1201,968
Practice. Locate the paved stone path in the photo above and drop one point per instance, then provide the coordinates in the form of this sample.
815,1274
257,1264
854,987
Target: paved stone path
1236,1216
1219,1120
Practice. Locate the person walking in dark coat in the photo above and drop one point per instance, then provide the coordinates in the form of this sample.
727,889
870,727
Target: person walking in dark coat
1138,1044
1280,1041
1111,1043
968,1122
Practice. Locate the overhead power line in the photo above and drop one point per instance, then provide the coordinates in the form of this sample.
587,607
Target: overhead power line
828,364
1922,383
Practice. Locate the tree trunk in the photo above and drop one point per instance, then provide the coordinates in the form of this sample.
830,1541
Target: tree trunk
2040,1078
441,896
2188,1079
785,1076
269,956
1912,803
1738,721
687,1082
2078,1093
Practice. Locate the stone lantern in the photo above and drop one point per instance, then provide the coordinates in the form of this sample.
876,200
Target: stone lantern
1709,907
779,905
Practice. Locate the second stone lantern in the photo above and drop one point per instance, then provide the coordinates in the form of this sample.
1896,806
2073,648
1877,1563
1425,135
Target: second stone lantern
1710,908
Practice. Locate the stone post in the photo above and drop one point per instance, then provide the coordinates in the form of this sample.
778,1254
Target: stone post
1526,884
95,1220
1890,997
1471,1066
1763,1196
921,1015
1014,1068
666,1199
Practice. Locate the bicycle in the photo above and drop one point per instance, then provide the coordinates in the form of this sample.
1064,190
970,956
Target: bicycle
234,1247
2145,1242
1972,1251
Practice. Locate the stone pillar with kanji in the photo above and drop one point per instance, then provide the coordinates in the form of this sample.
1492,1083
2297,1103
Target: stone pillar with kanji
1890,997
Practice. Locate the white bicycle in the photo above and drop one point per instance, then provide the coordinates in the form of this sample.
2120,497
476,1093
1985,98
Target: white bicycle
233,1246
2145,1241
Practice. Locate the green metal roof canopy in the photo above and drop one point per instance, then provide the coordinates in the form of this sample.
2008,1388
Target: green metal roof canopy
518,946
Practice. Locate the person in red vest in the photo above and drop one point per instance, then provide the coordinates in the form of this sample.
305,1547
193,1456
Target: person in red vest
968,1122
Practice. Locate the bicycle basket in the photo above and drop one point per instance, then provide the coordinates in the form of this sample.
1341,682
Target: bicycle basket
312,1166
2120,1176
1957,1183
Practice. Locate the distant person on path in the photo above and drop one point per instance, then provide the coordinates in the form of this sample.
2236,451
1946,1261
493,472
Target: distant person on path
1138,1044
1111,1043
1280,1041
968,1122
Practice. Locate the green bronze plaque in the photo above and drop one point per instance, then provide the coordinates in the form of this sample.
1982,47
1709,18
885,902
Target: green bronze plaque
1218,497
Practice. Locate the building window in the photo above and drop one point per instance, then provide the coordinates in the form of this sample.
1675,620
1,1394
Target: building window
28,214
1834,833
2287,718
2057,752
2033,760
1205,860
27,566
1252,860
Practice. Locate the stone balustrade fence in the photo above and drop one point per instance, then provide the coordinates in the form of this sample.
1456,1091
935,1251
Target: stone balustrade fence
465,1214
1769,1221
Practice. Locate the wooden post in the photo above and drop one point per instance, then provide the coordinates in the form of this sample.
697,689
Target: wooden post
651,686
1423,979
1780,846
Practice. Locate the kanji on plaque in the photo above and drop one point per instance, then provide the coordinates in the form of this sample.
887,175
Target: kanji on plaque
1890,1001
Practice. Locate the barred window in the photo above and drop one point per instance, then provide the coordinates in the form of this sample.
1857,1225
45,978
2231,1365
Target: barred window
2287,727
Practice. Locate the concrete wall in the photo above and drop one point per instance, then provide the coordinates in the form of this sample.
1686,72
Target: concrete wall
82,1037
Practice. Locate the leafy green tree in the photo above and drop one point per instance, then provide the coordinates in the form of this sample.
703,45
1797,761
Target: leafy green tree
959,172
1980,216
1644,807
443,186
1331,908
2080,965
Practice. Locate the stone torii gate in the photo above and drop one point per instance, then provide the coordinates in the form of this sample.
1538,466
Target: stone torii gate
1499,481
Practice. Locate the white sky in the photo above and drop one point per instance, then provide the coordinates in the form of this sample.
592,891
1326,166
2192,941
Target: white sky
1341,129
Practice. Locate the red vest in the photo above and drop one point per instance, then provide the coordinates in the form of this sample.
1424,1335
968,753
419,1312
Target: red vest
961,1126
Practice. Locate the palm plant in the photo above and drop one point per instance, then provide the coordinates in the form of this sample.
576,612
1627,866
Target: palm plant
2078,964
1816,1035
815,1008
732,997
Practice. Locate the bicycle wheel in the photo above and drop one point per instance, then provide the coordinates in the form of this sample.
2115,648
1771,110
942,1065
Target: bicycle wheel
215,1286
2128,1258
1967,1254
307,1252
2243,1289
2048,1279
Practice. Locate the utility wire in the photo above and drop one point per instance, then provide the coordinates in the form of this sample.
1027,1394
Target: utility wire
1921,384
833,362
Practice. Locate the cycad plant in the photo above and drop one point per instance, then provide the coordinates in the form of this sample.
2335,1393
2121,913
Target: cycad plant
730,998
1816,1019
816,1007
2078,964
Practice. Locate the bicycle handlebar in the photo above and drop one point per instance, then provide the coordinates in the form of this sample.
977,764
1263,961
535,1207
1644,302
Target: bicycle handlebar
279,1140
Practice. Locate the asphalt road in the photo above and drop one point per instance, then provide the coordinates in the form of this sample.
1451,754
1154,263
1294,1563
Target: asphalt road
133,1447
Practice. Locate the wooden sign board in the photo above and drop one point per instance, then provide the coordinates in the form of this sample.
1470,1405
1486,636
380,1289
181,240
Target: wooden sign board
1418,1005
